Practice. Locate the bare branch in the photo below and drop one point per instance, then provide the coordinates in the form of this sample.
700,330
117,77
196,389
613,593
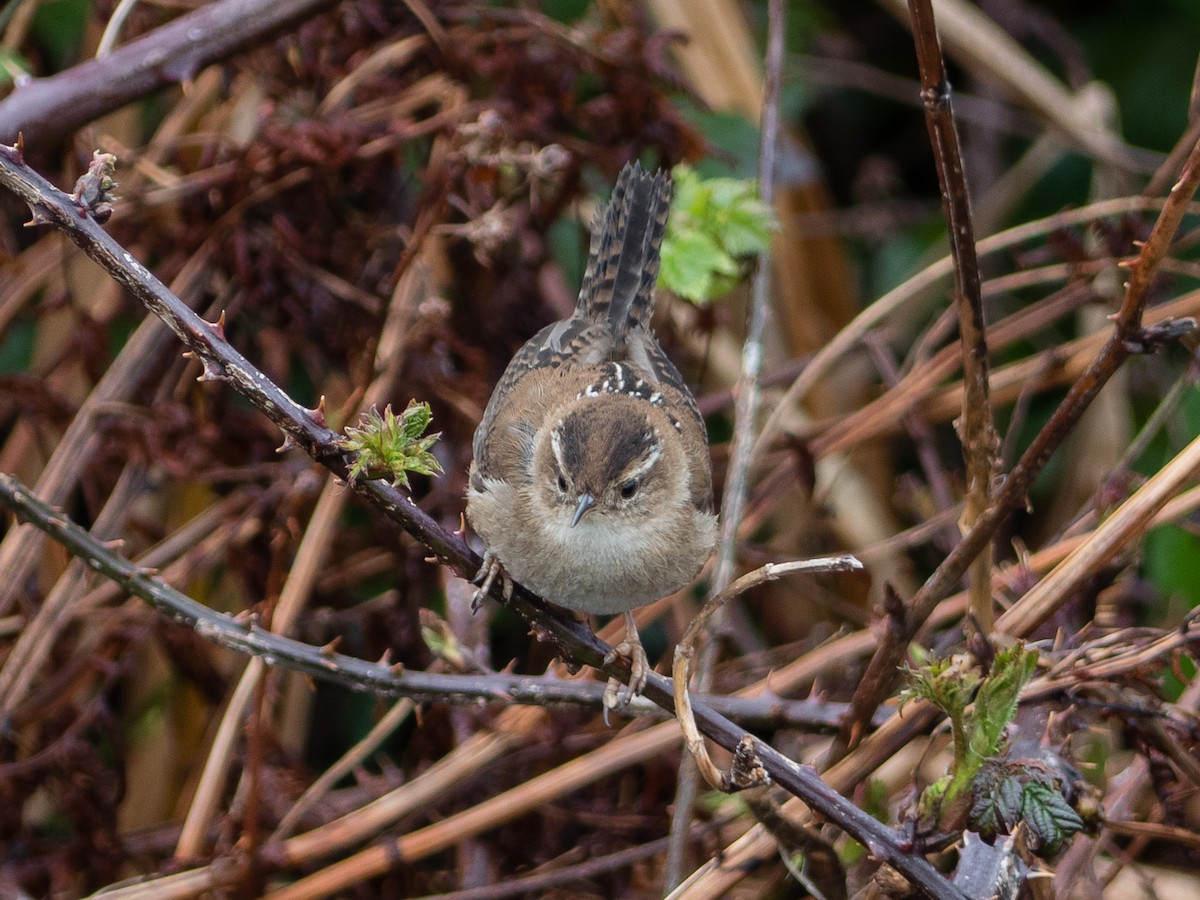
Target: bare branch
48,109
685,650
976,428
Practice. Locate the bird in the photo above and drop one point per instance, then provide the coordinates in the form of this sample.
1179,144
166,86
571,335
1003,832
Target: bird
591,483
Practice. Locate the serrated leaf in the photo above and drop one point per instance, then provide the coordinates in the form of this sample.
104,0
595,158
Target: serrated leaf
746,231
391,446
422,466
428,441
1009,803
997,802
416,419
948,683
713,223
1050,819
996,700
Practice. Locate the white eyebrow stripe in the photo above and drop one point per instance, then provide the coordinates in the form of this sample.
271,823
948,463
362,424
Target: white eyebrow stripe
556,446
648,463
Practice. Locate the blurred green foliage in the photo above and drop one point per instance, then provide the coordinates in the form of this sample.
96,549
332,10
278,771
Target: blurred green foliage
717,225
58,27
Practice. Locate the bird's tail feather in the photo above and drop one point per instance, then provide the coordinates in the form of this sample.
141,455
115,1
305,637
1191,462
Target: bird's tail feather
622,268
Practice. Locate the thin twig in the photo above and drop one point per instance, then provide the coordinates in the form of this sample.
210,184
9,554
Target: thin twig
976,428
538,882
112,31
745,419
972,37
685,650
746,392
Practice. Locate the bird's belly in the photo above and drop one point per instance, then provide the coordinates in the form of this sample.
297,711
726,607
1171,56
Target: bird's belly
596,568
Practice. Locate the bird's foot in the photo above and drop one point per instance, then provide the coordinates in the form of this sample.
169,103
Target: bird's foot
617,695
488,572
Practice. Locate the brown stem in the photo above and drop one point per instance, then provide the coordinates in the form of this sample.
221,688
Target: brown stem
685,650
48,109
746,396
977,429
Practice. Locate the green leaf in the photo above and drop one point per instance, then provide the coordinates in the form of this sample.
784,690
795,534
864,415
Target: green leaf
1050,818
715,224
997,802
746,229
1008,792
686,265
415,420
931,803
979,709
996,701
947,683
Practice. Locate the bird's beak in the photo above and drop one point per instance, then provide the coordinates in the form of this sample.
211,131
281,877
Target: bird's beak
586,502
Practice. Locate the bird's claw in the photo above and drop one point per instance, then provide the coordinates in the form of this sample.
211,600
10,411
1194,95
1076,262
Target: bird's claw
617,695
491,568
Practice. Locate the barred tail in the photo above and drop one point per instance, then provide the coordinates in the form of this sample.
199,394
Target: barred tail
622,268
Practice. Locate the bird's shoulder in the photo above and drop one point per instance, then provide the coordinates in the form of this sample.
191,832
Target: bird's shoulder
504,441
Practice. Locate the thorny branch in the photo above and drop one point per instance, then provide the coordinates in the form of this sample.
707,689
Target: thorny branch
976,427
244,635
977,430
306,429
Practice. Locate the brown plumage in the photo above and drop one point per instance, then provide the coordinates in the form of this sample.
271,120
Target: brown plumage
591,483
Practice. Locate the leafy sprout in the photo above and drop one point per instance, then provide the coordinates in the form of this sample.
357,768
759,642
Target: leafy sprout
983,790
390,446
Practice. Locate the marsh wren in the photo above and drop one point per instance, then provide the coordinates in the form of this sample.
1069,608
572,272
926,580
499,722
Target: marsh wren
591,483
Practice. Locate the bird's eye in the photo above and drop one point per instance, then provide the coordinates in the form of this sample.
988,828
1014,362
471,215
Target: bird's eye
562,483
629,488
